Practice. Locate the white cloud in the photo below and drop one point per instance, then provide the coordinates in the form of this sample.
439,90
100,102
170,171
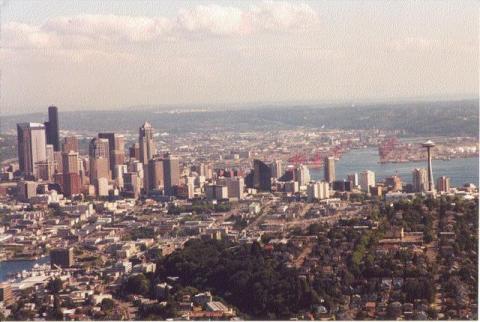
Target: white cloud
93,31
413,44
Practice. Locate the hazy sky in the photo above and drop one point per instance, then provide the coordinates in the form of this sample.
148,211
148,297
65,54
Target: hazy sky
111,54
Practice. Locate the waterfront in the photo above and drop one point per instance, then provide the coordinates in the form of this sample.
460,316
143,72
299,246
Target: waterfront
16,266
460,171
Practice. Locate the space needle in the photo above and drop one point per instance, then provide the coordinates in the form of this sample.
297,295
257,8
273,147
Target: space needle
429,145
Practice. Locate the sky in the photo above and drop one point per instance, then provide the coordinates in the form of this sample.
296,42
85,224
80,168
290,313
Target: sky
83,55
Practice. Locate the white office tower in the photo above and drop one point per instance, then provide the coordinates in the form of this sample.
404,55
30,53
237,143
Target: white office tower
366,179
235,187
302,175
318,190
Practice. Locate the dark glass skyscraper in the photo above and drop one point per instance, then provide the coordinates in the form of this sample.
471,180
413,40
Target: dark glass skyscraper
261,176
52,128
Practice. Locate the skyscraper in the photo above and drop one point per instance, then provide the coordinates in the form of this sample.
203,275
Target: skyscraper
70,143
429,145
329,169
420,180
277,168
116,144
443,184
366,179
155,174
261,176
71,176
99,148
171,173
146,143
31,146
52,128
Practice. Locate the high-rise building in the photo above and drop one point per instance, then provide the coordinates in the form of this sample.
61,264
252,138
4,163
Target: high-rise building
62,257
99,168
45,170
50,152
318,190
261,176
134,151
116,144
146,143
443,184
99,148
366,179
171,173
235,187
155,174
302,175
31,146
420,180
216,192
70,162
6,295
71,173
277,169
52,128
71,184
70,143
329,169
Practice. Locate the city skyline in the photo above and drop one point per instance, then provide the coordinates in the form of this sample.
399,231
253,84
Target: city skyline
233,52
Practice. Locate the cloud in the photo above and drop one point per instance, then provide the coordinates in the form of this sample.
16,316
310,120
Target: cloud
89,31
413,44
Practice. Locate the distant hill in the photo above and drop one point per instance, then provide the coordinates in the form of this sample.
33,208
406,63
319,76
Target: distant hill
450,118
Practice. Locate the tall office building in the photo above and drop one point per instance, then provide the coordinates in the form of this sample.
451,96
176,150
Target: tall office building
366,179
235,186
329,169
155,174
302,175
52,128
116,145
146,143
261,176
171,173
31,146
277,168
99,148
443,184
6,295
318,190
70,162
394,183
70,143
134,151
71,177
420,180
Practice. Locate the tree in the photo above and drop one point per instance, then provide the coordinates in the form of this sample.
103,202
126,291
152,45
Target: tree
137,284
107,305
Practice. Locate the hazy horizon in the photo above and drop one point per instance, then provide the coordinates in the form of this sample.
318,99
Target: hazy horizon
115,55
